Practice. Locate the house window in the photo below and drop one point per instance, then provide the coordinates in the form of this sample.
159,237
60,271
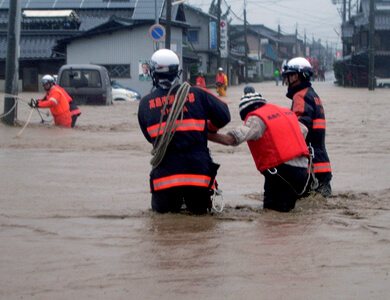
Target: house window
193,36
118,71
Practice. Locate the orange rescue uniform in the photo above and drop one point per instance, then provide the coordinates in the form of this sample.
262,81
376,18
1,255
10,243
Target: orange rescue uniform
221,84
200,82
58,103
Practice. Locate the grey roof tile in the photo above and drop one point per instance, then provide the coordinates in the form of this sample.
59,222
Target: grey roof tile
146,10
62,4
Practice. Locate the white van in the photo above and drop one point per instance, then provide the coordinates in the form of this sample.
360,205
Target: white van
86,83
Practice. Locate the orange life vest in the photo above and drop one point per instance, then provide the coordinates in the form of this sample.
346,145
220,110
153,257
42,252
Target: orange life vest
282,139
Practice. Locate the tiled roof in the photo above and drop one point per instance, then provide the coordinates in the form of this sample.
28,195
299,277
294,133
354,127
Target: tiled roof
39,44
199,11
31,46
63,4
143,9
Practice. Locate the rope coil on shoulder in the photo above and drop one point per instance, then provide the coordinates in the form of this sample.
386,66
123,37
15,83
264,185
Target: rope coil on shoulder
176,113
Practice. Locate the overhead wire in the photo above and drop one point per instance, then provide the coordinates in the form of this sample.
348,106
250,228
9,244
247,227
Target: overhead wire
268,6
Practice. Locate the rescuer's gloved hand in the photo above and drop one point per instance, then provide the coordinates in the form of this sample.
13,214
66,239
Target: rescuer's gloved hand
33,103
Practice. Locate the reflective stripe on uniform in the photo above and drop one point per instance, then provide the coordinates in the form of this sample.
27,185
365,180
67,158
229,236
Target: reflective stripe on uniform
54,100
185,125
180,180
319,124
322,167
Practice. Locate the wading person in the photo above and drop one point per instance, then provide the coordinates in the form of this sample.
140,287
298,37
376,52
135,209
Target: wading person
278,148
221,82
307,105
57,100
75,112
200,81
176,120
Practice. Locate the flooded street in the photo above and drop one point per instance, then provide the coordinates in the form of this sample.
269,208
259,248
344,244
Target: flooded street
76,222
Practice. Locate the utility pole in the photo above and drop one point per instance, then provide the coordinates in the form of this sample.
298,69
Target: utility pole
371,54
344,11
155,12
219,34
168,29
349,10
246,45
12,63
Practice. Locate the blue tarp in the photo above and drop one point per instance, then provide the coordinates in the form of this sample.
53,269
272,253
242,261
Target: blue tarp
270,53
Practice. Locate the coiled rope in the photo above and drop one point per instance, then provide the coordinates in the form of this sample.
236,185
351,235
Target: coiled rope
17,98
176,113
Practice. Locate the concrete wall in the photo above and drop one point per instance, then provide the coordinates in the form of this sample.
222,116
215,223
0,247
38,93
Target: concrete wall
2,85
122,47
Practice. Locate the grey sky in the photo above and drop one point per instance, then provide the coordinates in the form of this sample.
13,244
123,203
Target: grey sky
317,18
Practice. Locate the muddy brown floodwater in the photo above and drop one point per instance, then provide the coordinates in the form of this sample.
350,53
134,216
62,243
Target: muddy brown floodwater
75,218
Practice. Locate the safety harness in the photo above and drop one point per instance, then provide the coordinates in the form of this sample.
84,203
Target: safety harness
314,183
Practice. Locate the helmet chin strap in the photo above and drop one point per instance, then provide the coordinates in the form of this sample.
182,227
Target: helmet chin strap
165,83
288,79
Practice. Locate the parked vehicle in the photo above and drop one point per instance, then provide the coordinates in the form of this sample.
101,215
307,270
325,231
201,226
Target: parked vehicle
86,83
123,94
116,85
382,82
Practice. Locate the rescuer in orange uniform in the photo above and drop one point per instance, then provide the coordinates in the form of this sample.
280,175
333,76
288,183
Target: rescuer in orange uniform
221,82
75,112
200,81
57,100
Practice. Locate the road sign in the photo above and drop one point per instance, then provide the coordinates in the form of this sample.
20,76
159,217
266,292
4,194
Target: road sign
157,32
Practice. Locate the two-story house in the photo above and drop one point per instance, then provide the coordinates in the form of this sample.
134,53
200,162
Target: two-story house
353,69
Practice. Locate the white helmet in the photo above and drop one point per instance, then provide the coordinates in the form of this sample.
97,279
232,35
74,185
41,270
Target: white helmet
220,69
298,65
47,78
164,68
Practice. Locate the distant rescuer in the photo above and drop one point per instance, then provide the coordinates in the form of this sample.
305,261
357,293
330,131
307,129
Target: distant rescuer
56,100
221,82
176,119
307,105
268,129
200,81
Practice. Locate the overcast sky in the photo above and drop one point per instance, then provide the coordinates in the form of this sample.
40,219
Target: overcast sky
317,18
